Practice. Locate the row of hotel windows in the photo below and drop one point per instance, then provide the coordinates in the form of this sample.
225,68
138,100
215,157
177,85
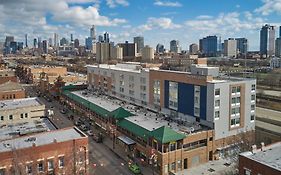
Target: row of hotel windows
11,117
121,76
40,167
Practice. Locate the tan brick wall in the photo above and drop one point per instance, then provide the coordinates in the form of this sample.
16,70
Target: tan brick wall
14,94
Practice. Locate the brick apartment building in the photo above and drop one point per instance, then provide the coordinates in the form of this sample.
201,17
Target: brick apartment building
63,151
11,90
264,161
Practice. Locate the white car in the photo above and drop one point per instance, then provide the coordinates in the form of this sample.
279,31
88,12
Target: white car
90,133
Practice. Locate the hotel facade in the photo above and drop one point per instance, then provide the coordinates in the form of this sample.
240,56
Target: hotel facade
184,118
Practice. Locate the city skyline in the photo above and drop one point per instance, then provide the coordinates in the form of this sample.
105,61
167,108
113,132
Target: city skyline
170,19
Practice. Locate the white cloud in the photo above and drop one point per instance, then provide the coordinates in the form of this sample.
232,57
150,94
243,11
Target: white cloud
167,3
225,24
115,3
269,6
204,17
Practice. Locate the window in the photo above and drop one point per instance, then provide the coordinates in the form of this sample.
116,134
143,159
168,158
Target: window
61,162
238,89
217,92
131,78
143,88
11,117
143,96
28,169
179,165
131,92
40,166
247,172
2,171
173,95
253,97
217,114
2,118
217,103
253,87
121,89
131,85
143,80
21,115
50,165
26,115
252,107
252,117
233,100
121,76
238,100
235,111
196,111
233,90
235,122
173,166
122,83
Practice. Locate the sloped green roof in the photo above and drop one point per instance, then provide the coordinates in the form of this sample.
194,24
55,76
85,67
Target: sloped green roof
165,134
120,113
93,107
69,87
134,128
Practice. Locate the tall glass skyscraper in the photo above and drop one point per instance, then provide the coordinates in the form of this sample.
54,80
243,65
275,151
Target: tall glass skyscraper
140,43
242,45
208,46
267,41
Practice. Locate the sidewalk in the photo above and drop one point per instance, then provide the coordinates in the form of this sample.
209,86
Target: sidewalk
119,151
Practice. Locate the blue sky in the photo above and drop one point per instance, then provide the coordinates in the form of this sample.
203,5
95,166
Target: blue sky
159,21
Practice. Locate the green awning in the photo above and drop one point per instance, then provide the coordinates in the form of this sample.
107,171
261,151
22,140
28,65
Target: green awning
165,134
120,113
134,128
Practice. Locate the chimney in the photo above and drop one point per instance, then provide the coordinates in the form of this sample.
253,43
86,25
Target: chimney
55,140
254,148
262,146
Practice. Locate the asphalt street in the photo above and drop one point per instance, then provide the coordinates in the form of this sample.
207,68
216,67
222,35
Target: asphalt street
102,161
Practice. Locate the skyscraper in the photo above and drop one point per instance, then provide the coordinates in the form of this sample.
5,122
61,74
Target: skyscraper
71,37
140,43
56,39
63,42
76,43
26,40
100,38
8,40
208,46
45,46
34,43
147,53
267,41
93,33
106,37
230,48
160,48
129,50
50,42
175,46
193,49
278,47
242,46
89,43
280,32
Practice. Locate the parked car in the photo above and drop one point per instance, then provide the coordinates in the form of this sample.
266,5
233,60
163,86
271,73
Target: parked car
134,168
90,133
98,138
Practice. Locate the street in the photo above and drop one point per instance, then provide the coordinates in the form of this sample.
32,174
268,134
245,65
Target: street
102,161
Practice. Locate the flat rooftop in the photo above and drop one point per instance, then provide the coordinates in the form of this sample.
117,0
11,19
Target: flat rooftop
19,103
16,130
137,68
41,139
269,156
143,117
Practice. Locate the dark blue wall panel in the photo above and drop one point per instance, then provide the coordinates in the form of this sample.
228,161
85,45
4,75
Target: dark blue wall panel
186,98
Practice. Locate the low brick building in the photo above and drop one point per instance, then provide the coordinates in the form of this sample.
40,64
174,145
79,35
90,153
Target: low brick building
62,151
264,161
11,90
7,75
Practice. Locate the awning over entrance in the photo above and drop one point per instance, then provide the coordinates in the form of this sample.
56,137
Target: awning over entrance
126,140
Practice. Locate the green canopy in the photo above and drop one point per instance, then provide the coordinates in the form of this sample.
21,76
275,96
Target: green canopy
165,134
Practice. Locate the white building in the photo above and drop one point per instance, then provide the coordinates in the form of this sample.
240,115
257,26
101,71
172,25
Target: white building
230,48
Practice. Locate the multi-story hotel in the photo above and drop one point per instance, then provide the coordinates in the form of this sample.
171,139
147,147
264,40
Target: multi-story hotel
185,118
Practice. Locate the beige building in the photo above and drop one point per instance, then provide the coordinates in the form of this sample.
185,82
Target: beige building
230,48
19,110
147,53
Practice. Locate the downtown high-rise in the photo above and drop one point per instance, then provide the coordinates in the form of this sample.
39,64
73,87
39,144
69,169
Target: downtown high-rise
140,43
267,41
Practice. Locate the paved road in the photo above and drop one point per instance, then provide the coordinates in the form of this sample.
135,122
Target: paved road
102,160
268,113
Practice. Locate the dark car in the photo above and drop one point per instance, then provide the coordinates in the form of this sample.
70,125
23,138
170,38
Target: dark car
98,138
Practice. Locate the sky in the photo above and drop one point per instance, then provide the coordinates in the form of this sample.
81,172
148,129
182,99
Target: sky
159,21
